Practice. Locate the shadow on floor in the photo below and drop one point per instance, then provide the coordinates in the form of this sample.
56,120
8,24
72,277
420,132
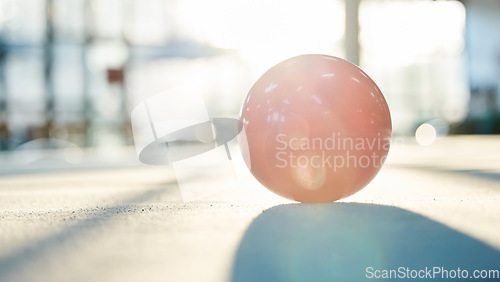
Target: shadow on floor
339,241
22,260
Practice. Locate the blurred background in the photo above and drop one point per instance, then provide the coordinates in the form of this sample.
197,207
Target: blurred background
72,70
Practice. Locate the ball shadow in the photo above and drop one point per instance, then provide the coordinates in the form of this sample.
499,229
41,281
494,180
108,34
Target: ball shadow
339,241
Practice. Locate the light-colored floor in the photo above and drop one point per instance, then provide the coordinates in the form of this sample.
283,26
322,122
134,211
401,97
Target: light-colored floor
122,221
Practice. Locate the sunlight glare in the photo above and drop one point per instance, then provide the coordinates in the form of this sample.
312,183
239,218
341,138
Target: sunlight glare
265,32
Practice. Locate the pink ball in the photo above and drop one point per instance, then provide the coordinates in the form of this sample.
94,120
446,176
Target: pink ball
317,129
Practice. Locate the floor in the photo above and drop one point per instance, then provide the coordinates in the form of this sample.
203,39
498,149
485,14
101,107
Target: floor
110,218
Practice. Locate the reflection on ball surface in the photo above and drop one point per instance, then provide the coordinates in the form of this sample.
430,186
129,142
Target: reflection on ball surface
317,129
